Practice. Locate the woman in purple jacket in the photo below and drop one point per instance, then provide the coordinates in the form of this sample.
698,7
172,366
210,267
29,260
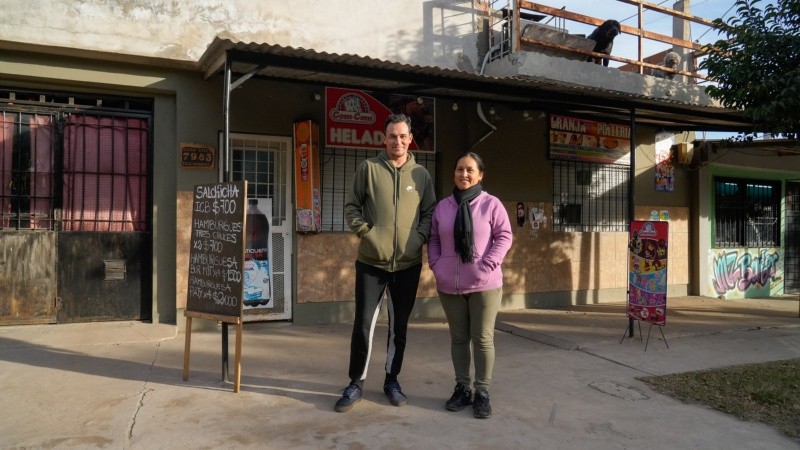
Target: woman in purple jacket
470,236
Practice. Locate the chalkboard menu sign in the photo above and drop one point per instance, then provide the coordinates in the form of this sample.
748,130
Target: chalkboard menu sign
216,256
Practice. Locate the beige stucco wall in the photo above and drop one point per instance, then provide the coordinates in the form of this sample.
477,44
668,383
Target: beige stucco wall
410,31
540,261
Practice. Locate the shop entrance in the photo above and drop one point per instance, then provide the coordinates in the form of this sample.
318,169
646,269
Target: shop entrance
266,163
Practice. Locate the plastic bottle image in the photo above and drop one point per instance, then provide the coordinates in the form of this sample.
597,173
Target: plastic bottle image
256,257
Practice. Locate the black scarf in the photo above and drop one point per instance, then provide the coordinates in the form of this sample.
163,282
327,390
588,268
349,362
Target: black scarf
462,228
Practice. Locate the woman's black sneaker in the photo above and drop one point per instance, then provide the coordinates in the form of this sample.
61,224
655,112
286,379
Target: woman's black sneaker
461,398
480,406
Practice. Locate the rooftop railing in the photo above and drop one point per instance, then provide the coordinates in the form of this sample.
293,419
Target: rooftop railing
527,26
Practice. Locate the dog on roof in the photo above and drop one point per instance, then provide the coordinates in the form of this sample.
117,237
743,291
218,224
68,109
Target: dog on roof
603,36
671,60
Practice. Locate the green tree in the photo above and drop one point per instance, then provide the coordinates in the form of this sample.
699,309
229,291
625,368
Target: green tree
756,67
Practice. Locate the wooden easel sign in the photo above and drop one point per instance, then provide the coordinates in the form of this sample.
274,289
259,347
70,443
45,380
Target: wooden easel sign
216,262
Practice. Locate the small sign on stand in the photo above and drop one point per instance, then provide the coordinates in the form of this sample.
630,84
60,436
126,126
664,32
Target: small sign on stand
216,262
647,275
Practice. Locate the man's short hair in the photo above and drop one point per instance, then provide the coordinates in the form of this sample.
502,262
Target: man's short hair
397,118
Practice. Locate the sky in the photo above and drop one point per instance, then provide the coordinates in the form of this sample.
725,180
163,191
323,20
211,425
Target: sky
626,46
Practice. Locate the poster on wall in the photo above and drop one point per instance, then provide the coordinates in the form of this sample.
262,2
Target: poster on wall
575,139
647,271
258,248
665,169
354,118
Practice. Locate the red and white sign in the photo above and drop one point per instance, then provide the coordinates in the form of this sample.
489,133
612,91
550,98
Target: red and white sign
354,119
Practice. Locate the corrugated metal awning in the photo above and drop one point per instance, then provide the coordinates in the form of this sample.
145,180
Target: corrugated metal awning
526,92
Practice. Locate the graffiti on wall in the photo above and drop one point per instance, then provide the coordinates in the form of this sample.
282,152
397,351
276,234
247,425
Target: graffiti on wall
739,270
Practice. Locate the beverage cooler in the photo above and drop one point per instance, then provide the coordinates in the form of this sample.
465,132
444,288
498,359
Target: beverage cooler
306,177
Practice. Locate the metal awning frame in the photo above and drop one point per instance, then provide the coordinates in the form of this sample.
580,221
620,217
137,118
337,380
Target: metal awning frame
239,62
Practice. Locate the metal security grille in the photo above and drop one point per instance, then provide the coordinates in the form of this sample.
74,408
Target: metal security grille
74,162
105,173
590,197
791,268
747,213
27,155
279,269
338,167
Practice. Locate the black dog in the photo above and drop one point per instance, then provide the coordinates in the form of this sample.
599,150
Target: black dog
603,36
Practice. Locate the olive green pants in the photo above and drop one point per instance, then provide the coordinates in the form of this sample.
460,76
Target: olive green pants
471,318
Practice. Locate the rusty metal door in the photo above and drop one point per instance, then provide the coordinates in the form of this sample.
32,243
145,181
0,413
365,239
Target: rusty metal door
75,202
104,243
27,278
27,226
100,276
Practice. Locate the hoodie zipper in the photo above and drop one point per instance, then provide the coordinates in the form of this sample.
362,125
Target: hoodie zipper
396,177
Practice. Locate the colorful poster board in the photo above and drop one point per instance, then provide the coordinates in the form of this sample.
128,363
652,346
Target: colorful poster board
575,139
648,242
216,255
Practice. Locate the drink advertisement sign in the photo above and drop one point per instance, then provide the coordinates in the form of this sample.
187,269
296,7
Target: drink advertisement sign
647,271
258,248
306,177
576,139
354,119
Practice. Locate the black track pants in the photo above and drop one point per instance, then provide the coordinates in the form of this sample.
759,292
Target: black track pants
371,283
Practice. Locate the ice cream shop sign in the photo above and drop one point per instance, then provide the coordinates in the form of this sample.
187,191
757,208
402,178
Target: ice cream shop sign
354,119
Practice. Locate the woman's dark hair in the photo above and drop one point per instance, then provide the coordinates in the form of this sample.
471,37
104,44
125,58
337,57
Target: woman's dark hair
473,155
397,118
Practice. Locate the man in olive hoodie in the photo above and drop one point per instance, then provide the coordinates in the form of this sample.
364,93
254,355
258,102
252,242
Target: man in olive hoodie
390,208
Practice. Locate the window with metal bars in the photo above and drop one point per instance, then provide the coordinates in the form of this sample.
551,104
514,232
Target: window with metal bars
590,197
746,213
27,152
338,167
74,162
259,161
105,173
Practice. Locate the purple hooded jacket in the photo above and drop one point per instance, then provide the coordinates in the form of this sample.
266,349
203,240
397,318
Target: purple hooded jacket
492,238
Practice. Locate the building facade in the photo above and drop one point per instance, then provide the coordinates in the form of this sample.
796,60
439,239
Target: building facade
113,113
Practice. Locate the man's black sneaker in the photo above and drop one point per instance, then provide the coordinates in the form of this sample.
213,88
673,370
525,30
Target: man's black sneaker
394,394
350,396
461,398
481,408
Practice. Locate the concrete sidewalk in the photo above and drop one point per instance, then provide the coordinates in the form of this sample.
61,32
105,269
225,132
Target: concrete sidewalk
562,380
